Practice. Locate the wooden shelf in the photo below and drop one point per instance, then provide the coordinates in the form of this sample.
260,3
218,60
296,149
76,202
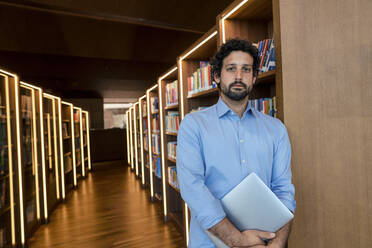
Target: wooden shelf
177,220
171,133
4,210
155,131
173,106
67,137
172,159
204,93
66,121
155,112
67,154
176,189
266,77
86,159
2,177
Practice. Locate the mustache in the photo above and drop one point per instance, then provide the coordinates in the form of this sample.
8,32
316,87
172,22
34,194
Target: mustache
238,83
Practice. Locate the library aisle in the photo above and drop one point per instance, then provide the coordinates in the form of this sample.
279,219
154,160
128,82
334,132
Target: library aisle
109,209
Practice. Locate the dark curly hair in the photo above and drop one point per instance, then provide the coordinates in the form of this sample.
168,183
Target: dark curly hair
234,45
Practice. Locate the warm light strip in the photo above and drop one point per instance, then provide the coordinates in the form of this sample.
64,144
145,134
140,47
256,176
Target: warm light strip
30,86
49,96
35,162
150,142
141,139
187,224
10,159
82,142
73,143
55,146
135,137
199,45
19,162
49,143
41,114
61,149
128,145
88,140
131,139
168,73
162,148
227,16
181,90
153,87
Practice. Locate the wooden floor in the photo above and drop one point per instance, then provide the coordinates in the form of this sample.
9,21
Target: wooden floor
109,209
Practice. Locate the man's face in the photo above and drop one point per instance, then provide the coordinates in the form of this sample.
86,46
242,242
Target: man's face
236,79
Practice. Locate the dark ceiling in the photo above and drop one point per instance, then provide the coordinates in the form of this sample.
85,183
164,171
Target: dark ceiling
114,49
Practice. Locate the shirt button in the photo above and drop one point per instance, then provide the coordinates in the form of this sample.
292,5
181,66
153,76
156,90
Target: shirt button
243,161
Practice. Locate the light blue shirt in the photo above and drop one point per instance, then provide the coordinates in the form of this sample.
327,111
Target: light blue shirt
216,150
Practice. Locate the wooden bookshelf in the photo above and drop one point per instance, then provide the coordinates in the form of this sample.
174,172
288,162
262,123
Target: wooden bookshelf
68,146
136,134
152,96
86,140
52,150
9,87
142,108
31,136
79,147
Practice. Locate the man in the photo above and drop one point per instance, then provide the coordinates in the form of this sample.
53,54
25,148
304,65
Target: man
219,146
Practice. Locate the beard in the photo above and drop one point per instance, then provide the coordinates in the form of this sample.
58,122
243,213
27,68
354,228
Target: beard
236,95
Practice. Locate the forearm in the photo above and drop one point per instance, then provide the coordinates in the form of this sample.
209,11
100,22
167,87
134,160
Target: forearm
227,232
281,236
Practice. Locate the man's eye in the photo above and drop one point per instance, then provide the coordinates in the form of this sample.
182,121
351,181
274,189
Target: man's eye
246,69
230,69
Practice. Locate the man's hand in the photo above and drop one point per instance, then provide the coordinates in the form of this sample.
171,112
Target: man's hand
253,238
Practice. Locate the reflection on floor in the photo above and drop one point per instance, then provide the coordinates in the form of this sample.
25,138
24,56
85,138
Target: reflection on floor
109,209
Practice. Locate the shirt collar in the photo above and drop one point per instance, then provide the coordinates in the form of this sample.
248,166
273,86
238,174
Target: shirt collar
223,109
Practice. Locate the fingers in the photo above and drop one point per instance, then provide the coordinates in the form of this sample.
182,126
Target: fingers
265,235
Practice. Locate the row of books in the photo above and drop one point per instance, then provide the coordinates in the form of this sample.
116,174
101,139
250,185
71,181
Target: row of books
154,104
172,177
156,143
266,50
3,133
3,160
144,108
68,163
172,121
171,93
201,79
265,105
157,166
26,106
172,148
145,142
155,123
65,130
76,117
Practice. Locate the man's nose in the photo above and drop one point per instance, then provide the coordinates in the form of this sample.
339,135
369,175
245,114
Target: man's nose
238,75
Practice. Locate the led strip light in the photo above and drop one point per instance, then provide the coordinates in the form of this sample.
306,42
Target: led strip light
88,140
135,137
128,145
10,159
141,142
82,142
131,139
149,132
227,16
61,149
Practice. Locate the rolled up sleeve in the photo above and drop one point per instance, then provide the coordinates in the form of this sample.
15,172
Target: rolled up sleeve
206,209
281,183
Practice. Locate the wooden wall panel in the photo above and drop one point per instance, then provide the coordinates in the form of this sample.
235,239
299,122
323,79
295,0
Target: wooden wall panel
327,93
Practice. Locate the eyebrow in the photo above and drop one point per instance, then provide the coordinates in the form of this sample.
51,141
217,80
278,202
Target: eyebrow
239,64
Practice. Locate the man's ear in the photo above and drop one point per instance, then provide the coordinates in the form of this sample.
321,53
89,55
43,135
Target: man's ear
217,79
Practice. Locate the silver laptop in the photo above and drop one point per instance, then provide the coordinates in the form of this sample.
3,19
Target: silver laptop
252,205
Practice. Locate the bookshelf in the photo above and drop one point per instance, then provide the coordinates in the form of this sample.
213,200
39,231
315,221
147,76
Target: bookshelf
12,226
86,140
131,132
52,150
128,133
254,21
142,138
79,146
154,143
69,153
136,137
193,64
169,124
